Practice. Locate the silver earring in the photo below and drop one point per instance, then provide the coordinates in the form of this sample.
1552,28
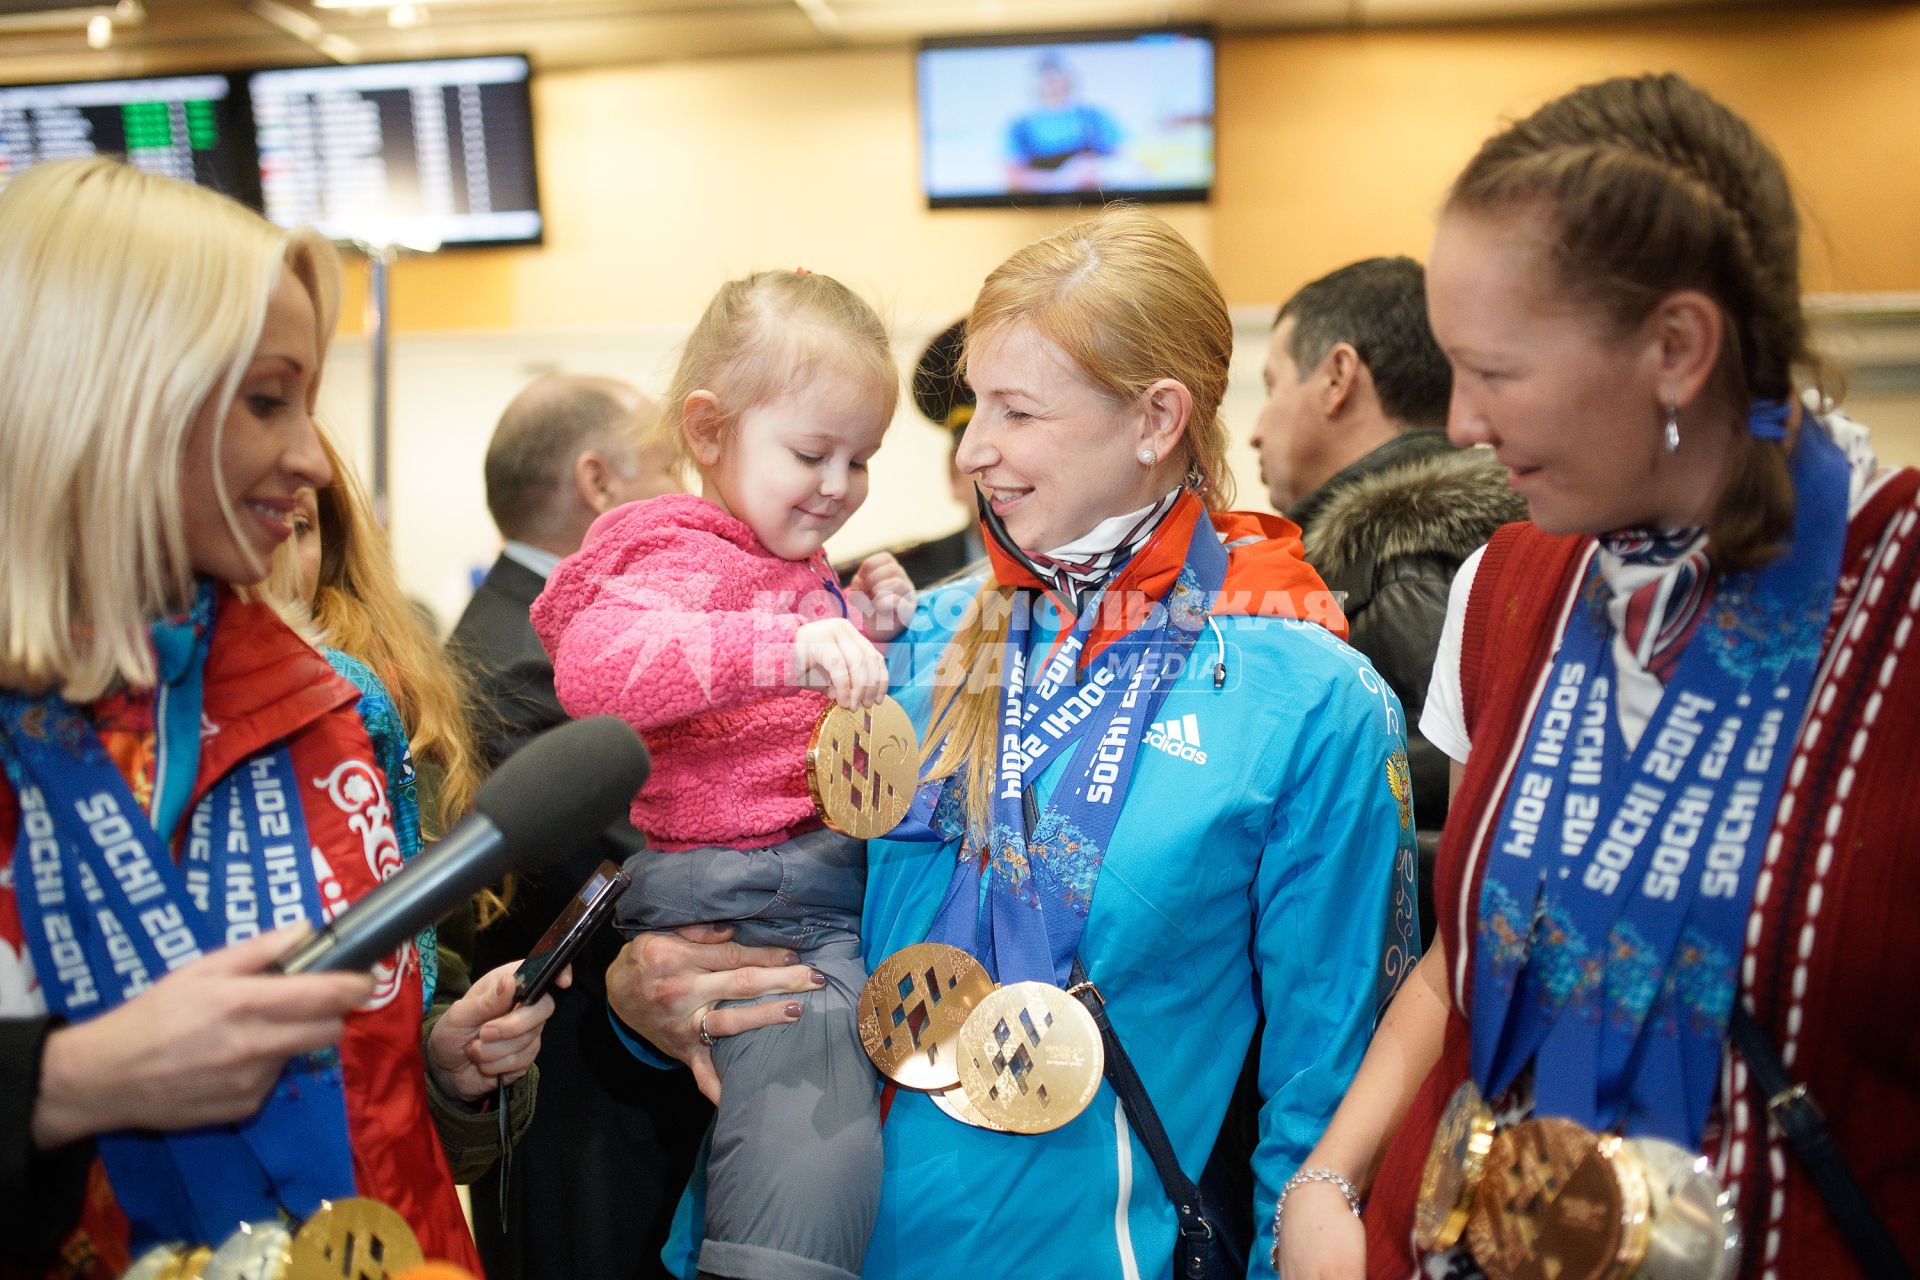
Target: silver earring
1148,457
1673,428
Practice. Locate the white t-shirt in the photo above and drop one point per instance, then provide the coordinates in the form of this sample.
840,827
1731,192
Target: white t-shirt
1638,691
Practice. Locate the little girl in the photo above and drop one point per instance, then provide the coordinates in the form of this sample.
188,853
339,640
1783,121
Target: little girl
703,622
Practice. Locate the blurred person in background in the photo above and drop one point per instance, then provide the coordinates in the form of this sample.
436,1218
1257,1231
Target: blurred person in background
336,583
1352,450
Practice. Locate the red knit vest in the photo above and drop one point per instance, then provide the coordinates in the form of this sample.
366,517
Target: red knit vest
1832,958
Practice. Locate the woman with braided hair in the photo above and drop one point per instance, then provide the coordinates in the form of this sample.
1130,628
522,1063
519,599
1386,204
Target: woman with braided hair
1677,878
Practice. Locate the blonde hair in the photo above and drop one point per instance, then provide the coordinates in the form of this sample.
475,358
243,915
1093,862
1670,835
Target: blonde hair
1649,185
359,608
1131,303
129,305
760,338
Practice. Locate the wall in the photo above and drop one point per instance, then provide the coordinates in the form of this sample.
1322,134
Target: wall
659,181
1337,146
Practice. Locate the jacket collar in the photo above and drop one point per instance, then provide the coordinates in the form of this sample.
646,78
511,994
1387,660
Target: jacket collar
263,684
1267,576
1405,447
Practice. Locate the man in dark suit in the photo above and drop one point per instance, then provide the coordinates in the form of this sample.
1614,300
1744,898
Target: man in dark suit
593,1184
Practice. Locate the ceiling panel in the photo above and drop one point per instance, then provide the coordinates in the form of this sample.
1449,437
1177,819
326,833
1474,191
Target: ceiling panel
174,35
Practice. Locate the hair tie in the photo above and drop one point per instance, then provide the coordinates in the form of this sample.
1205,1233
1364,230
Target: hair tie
801,271
1767,420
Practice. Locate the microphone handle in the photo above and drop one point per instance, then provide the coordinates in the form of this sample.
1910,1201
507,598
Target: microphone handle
473,855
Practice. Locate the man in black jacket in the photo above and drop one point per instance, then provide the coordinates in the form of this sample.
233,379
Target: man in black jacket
594,1182
1353,449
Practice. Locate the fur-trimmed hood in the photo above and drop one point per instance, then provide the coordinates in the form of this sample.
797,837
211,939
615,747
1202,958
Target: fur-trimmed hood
1442,503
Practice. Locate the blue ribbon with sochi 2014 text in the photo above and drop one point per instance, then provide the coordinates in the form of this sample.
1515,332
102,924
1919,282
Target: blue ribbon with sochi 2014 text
1024,910
107,914
1613,910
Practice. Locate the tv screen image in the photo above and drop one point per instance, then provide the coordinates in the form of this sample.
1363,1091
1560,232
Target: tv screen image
1067,119
179,126
416,154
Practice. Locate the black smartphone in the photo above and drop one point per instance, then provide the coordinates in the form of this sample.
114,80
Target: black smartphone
556,949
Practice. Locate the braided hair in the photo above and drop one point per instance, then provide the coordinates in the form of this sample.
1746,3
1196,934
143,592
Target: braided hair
1651,186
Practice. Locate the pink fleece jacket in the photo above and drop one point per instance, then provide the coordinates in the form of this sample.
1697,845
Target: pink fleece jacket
673,617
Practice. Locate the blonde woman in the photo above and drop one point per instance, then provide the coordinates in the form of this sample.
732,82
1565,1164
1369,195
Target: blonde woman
183,774
1244,858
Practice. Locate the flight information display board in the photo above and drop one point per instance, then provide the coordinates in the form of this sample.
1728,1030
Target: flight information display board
180,126
416,154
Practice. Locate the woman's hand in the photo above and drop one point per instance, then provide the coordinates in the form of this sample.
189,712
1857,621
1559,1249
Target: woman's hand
482,1040
663,984
1320,1239
832,655
204,1045
884,595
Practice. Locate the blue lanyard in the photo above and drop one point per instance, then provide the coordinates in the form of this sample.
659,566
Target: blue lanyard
107,913
1025,909
1617,888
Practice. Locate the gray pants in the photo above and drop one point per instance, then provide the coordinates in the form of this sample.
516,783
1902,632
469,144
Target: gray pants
793,1175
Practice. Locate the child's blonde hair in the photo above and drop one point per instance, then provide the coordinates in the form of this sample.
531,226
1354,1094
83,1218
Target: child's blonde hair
128,304
763,336
1128,299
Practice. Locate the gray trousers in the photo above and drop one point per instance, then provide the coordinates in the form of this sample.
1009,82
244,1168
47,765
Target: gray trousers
793,1174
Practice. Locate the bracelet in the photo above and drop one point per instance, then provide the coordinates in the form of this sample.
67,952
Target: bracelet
1315,1175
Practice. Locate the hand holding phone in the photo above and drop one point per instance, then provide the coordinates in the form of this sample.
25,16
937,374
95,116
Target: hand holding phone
562,942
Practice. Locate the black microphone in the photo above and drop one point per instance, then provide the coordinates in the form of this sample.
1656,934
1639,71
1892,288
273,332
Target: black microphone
544,802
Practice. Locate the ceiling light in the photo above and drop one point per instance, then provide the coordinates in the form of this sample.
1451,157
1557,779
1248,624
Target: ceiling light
99,31
402,16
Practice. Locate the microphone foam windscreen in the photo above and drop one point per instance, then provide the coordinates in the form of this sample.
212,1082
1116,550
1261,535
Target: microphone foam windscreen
566,785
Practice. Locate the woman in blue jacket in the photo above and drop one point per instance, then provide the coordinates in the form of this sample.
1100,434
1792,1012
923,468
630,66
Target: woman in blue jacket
1235,840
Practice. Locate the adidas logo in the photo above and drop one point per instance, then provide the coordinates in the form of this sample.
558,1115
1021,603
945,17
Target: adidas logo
1178,737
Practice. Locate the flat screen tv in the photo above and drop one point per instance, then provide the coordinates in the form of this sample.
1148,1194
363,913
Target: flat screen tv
1067,119
185,127
414,154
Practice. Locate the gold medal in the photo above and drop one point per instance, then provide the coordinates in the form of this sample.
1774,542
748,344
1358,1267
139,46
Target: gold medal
257,1251
1695,1233
1558,1203
956,1104
862,767
1030,1057
353,1239
1455,1164
912,1009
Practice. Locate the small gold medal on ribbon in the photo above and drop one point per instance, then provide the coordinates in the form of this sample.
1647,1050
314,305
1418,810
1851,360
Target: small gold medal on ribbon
1030,1057
257,1251
912,1009
1558,1203
1696,1229
1455,1164
357,1238
862,767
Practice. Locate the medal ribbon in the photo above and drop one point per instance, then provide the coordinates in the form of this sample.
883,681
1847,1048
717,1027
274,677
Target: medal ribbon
1613,911
1038,885
107,913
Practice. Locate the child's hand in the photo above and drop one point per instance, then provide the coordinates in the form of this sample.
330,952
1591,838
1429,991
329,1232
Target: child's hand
832,655
884,595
